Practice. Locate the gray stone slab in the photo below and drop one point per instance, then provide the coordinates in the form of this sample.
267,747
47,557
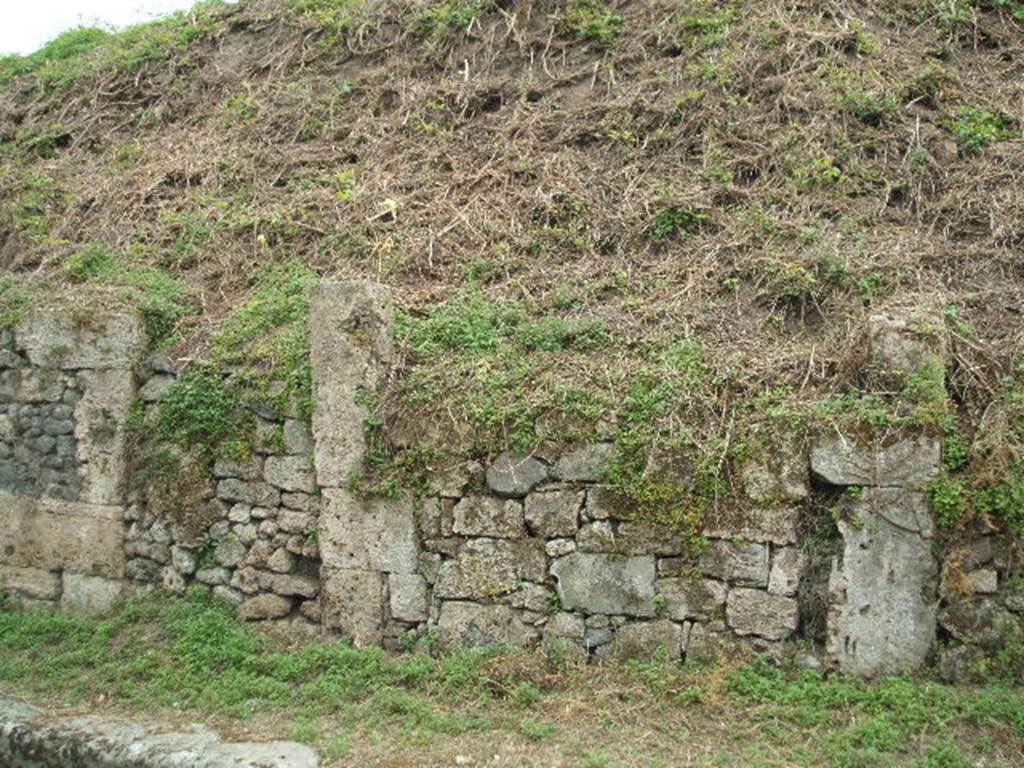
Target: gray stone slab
604,583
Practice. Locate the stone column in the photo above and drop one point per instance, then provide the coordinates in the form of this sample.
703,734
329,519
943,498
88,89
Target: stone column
365,544
883,586
66,388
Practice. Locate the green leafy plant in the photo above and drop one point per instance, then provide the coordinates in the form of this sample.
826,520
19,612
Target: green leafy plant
975,128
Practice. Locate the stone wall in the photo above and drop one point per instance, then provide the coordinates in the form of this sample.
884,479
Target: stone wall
66,388
830,541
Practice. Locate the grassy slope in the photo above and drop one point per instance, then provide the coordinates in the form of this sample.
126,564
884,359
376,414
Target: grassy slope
183,659
657,221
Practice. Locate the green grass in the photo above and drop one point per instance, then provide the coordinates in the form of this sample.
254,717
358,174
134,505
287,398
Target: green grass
190,655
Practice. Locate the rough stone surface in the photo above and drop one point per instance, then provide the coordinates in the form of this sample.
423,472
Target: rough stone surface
31,583
368,534
904,344
777,474
754,612
465,625
601,583
32,738
290,473
585,464
408,597
787,568
515,476
487,516
691,598
553,514
842,460
54,536
55,338
253,493
645,640
352,601
89,595
266,606
776,524
350,335
736,561
882,604
486,568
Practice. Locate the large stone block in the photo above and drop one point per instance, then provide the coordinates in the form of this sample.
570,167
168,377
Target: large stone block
603,583
89,595
30,583
883,589
776,523
488,516
350,334
487,568
57,338
370,534
290,473
911,462
691,598
99,418
737,562
647,640
466,625
754,612
554,513
585,464
515,476
352,601
51,535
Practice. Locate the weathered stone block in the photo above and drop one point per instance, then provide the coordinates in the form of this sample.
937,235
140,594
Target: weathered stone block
882,590
904,344
99,432
250,468
603,583
787,568
264,607
350,330
368,534
755,612
466,625
31,583
56,338
290,473
486,568
253,493
777,524
154,389
569,625
487,516
554,513
691,598
515,476
298,438
736,562
230,551
779,473
842,460
408,596
89,595
585,464
352,601
52,535
646,640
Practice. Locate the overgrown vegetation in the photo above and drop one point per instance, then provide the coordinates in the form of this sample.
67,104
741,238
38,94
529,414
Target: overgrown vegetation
190,656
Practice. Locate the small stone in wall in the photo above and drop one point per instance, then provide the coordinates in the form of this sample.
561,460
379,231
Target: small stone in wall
184,560
487,516
254,493
560,547
585,464
777,474
247,534
515,476
777,523
290,473
691,598
154,389
736,562
983,582
230,551
531,597
293,521
645,640
303,502
408,597
604,504
602,583
240,513
553,513
142,570
213,576
467,625
250,468
89,595
755,612
564,624
787,568
298,439
483,568
263,607
282,561
228,595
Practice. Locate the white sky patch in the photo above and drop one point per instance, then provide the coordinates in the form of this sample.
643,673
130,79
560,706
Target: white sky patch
26,24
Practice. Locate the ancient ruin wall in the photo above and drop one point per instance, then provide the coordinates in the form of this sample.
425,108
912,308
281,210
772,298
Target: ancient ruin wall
520,551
